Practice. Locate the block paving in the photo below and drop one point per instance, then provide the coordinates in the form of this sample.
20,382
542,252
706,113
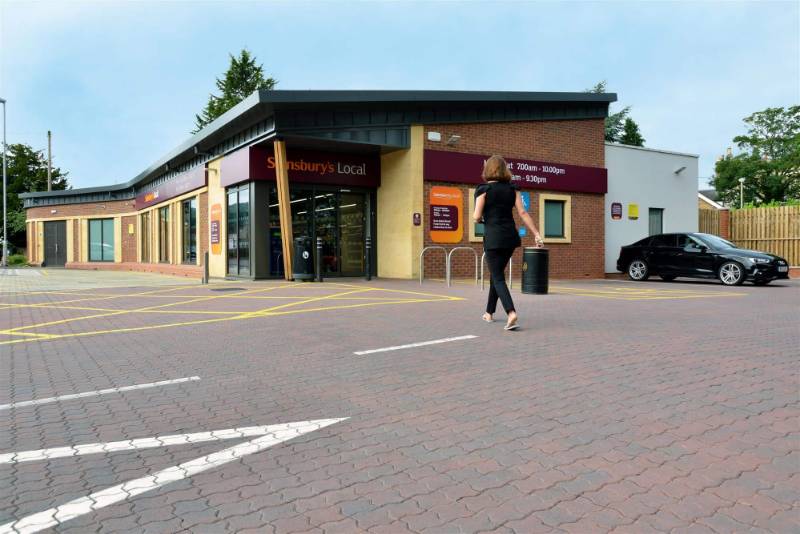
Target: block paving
618,407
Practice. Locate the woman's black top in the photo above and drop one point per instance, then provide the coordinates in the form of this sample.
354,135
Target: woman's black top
500,230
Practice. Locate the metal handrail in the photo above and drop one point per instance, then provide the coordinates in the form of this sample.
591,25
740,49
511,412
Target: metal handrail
510,271
447,264
422,256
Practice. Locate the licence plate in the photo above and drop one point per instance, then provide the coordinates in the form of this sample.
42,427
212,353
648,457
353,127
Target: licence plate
783,269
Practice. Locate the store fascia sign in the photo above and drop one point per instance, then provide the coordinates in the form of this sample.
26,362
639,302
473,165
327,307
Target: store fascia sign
303,166
459,167
174,187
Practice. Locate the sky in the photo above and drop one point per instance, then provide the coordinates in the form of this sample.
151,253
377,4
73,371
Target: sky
119,83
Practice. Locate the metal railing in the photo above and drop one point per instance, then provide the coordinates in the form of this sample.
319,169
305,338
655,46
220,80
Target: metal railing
422,257
448,264
510,272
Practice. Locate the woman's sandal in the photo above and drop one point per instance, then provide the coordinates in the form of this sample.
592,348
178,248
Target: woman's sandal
511,326
488,318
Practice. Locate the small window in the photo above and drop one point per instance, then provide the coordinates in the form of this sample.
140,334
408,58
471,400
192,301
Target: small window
101,240
554,218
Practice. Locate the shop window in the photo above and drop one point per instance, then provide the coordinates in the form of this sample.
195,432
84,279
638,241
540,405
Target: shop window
145,235
101,240
163,234
189,216
239,231
555,218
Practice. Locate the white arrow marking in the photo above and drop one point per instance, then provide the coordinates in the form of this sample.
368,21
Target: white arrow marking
132,488
97,392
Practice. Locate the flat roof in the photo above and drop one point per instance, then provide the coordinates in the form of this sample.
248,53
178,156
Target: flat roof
648,149
265,103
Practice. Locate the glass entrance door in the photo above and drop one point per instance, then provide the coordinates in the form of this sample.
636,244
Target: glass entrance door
339,218
352,233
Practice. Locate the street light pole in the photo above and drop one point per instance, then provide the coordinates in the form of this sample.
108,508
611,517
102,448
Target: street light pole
741,193
5,209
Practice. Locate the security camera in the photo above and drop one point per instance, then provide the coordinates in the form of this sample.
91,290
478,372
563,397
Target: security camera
680,170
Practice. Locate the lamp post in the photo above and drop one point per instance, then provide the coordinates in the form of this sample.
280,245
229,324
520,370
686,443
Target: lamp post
5,210
741,193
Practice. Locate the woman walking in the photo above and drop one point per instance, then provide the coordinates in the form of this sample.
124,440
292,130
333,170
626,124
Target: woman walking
494,201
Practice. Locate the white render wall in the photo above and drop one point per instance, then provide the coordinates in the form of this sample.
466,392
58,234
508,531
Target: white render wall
647,177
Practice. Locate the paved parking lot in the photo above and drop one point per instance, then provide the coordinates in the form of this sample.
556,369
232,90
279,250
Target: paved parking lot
163,405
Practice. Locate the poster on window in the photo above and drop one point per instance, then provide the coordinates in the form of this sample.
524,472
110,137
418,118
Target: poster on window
216,218
446,220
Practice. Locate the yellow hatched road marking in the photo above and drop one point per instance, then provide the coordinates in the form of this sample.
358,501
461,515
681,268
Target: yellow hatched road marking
237,317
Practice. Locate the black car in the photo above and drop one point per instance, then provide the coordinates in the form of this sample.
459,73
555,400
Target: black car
697,255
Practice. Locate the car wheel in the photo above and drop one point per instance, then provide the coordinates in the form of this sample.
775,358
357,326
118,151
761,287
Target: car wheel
731,274
638,270
667,277
761,282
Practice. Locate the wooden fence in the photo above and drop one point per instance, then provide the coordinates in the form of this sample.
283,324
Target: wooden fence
774,230
708,221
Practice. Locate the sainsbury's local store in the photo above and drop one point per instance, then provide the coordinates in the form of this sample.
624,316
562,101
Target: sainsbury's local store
395,167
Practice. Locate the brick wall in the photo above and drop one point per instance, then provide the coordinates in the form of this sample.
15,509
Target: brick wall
95,209
568,142
725,224
129,240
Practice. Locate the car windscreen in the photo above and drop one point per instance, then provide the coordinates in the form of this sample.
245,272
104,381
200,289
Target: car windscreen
715,241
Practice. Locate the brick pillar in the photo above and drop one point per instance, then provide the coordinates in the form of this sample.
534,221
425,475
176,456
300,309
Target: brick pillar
725,224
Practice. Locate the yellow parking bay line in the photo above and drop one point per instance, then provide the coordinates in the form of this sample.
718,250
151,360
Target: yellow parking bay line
615,293
272,311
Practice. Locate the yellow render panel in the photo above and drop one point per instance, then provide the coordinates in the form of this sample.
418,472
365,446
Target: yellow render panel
399,197
217,263
117,239
84,237
70,224
39,242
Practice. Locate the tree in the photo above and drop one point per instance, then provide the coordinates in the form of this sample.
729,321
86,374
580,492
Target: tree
631,135
615,121
26,173
242,78
769,161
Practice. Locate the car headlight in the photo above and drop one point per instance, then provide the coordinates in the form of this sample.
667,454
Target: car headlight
759,260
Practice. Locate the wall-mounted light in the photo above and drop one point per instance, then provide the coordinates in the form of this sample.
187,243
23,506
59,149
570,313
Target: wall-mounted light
453,139
53,211
680,169
436,137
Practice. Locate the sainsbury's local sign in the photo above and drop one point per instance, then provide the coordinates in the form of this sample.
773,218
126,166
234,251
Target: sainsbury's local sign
458,167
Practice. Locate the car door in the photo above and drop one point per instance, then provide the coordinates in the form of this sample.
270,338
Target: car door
694,258
663,253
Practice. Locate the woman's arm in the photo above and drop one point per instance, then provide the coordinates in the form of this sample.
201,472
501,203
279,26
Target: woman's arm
526,218
480,202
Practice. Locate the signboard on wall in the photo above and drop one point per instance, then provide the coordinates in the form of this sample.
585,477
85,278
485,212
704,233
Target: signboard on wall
215,225
446,221
633,211
616,211
304,166
458,167
174,187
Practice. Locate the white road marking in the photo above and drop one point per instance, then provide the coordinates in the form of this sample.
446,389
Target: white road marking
98,392
142,443
412,345
100,499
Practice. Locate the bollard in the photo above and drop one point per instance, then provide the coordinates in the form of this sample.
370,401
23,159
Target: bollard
369,258
205,268
319,259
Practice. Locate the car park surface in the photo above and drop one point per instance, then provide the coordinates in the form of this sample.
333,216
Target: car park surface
387,406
